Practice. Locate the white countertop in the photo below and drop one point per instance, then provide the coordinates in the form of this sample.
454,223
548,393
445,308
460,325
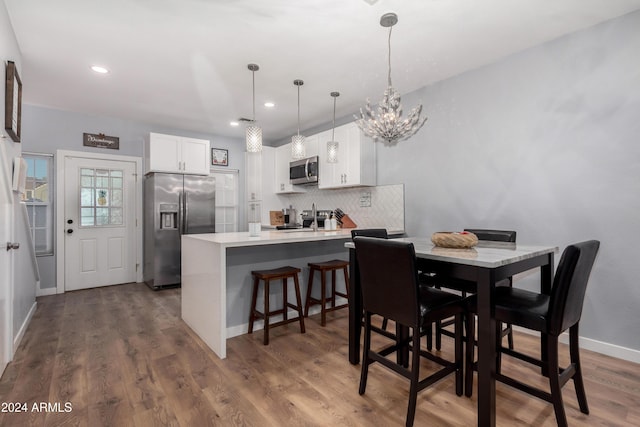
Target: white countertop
274,237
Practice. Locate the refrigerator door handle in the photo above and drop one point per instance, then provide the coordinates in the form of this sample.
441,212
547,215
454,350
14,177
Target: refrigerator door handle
185,204
180,214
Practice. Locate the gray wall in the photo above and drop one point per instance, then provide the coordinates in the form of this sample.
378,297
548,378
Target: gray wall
47,130
545,142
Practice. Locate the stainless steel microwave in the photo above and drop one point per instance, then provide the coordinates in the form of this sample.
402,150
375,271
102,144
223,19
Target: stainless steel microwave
304,171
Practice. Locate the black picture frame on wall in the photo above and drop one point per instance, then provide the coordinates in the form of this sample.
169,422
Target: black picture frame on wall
12,102
219,157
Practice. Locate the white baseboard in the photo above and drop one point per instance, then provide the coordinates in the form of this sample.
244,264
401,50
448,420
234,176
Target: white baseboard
601,347
46,291
23,329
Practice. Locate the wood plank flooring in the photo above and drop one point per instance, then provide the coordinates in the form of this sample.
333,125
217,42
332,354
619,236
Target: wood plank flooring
121,356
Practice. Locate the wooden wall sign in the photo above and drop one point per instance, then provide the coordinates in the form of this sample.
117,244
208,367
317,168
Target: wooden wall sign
12,102
100,140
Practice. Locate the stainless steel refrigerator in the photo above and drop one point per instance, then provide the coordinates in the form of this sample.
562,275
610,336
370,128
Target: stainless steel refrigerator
174,205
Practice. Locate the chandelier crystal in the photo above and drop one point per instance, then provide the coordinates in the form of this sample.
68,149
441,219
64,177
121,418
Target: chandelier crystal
298,150
254,132
333,145
386,122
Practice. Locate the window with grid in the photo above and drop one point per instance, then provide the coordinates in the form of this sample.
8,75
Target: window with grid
39,201
226,200
101,197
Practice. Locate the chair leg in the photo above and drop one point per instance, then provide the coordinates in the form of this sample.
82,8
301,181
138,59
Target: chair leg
510,336
415,379
554,380
385,321
365,353
438,335
468,381
574,350
458,354
429,333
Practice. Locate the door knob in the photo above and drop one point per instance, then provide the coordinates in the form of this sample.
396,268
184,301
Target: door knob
14,245
69,221
69,231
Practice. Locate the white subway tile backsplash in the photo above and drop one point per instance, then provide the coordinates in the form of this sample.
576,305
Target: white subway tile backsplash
386,204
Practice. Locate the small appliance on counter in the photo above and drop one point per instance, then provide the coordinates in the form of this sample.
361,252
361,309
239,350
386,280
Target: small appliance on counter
289,220
321,216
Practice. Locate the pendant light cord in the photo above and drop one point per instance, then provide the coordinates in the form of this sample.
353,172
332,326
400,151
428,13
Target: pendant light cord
253,85
298,110
333,130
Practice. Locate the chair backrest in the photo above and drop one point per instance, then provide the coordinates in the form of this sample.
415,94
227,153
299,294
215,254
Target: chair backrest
493,235
370,232
388,279
570,285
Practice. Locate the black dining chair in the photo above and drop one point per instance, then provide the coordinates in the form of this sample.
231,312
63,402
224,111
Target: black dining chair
380,233
469,287
550,315
389,285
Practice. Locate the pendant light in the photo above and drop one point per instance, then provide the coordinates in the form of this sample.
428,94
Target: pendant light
333,145
386,122
297,141
254,132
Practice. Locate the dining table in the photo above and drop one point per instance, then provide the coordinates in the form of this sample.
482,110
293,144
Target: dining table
485,264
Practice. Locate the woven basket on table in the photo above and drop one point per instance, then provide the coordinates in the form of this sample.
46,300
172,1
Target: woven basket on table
452,239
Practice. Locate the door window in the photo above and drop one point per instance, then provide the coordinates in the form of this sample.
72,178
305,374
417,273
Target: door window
101,197
38,200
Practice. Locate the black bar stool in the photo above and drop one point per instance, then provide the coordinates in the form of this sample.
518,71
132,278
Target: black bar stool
267,276
324,267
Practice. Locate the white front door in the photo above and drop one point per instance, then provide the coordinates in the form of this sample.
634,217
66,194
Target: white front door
6,284
99,222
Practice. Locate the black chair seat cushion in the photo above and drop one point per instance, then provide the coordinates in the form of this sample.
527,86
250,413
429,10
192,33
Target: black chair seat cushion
434,299
519,307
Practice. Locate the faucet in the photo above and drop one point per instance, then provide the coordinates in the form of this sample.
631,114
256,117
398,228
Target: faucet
314,222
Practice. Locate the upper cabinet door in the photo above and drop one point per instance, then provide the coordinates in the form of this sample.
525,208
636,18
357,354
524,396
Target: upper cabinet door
356,165
196,156
176,154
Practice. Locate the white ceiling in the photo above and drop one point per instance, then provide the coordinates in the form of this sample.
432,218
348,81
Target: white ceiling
183,63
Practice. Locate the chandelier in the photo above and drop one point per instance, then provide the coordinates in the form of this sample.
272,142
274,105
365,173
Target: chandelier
386,121
254,132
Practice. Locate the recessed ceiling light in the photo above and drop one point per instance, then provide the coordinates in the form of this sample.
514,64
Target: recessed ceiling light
269,104
99,69
234,124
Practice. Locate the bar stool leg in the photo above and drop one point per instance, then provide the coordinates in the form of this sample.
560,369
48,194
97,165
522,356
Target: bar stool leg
284,299
323,300
346,282
254,297
309,288
266,312
333,288
299,302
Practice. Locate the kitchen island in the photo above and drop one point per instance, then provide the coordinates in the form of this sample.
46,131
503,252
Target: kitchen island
216,275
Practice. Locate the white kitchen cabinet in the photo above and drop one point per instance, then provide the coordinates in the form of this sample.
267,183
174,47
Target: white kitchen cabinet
356,164
282,160
177,154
